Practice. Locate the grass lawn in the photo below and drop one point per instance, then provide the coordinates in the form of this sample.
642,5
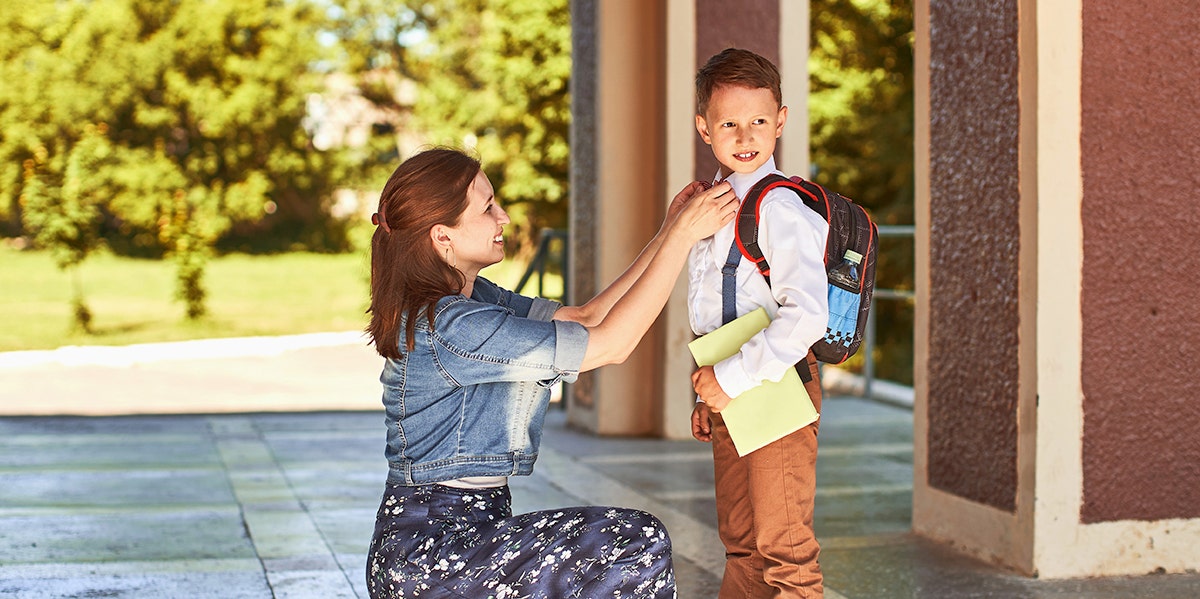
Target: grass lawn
132,301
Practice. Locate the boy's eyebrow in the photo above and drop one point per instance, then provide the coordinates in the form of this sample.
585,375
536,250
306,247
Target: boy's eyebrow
752,117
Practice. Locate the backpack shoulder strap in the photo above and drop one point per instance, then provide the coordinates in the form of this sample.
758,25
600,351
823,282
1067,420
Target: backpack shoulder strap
746,229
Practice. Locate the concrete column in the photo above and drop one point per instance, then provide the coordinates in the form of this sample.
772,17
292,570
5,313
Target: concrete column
1044,439
678,398
792,153
616,189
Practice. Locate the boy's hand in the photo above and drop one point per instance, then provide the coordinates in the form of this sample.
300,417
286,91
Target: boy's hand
704,382
702,422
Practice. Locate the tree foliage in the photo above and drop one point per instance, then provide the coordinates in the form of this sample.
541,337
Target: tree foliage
492,76
170,128
861,110
154,127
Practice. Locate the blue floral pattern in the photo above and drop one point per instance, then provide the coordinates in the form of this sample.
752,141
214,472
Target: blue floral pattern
435,541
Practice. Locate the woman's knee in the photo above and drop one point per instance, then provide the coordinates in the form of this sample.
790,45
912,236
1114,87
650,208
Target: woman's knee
635,557
654,531
644,540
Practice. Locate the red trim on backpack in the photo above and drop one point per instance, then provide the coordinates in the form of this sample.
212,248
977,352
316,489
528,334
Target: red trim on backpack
794,184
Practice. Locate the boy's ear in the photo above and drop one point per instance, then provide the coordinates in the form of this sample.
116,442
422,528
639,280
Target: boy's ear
782,120
702,129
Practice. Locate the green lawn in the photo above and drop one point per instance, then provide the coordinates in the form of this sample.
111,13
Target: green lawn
132,301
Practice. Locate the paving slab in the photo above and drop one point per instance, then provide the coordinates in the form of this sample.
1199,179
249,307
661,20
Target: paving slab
222,578
262,477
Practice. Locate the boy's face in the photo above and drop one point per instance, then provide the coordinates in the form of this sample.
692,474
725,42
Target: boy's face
741,124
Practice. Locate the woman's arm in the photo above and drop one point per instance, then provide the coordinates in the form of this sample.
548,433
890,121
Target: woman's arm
634,309
596,309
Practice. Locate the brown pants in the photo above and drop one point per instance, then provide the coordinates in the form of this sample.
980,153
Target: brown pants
765,511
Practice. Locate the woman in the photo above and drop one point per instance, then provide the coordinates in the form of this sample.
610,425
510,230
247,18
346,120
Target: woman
466,386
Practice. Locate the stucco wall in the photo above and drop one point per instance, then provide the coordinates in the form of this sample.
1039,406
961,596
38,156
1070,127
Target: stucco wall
1141,260
974,240
749,24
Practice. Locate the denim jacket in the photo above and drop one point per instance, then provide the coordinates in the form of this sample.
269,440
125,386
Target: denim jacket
471,397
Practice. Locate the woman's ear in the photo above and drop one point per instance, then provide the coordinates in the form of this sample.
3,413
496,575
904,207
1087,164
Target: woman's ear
440,236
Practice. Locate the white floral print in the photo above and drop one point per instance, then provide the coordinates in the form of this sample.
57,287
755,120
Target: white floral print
434,541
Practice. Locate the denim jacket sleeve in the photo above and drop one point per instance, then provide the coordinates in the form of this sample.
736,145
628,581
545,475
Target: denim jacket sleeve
476,342
536,308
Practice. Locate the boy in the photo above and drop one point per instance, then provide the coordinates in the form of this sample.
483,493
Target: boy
764,499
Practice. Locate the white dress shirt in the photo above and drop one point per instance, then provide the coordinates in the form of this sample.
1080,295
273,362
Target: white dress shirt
792,237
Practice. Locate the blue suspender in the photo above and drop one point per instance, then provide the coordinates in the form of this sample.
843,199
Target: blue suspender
729,284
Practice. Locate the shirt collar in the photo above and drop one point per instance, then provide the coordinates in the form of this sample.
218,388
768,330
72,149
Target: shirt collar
742,182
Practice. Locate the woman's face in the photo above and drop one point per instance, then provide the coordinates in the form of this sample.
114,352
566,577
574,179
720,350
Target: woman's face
478,239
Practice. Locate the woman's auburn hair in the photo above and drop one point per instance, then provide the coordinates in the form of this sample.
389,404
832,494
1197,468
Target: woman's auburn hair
407,274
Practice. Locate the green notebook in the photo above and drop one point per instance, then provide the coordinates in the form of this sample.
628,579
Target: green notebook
767,412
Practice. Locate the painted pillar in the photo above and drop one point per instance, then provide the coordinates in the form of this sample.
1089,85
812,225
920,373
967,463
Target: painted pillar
1055,417
617,178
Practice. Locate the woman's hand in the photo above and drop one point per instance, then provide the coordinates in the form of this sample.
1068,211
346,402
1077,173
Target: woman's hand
681,199
653,276
595,310
701,213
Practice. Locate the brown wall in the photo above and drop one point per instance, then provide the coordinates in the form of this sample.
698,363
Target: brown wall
720,24
974,241
1141,260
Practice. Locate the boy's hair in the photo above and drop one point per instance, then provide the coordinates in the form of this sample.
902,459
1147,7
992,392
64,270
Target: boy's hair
735,66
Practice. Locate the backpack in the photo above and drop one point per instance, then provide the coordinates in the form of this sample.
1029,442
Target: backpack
850,252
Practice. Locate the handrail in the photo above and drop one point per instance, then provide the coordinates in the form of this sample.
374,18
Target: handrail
538,264
882,294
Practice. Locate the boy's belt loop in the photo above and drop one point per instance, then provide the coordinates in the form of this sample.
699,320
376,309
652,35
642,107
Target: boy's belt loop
729,284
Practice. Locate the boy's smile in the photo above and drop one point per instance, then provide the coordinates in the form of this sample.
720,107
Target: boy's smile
741,124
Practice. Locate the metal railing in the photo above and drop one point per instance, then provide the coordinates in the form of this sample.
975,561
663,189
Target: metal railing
868,348
545,252
541,258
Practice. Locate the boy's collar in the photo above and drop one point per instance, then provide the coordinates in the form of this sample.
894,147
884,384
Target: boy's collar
742,182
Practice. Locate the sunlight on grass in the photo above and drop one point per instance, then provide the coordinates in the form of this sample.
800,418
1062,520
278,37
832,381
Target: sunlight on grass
132,301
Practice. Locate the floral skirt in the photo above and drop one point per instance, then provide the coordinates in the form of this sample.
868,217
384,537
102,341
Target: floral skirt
436,541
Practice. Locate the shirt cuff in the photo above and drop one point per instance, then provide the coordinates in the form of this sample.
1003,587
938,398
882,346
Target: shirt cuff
543,309
569,348
732,377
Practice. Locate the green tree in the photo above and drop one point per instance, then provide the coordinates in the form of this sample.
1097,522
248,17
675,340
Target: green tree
158,125
65,210
373,42
861,110
492,75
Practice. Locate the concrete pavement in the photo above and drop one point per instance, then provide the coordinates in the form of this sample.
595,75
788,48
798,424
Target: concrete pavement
256,469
